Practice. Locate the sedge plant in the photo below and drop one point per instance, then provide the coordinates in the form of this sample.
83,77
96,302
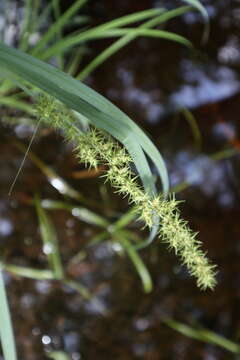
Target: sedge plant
95,148
113,139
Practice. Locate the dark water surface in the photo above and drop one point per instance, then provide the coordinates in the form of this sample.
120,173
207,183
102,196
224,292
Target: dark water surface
150,80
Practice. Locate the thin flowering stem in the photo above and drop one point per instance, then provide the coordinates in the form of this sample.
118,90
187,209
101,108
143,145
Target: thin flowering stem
96,148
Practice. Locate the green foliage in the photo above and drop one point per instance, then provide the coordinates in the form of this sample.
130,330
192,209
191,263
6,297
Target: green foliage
97,109
94,147
6,331
58,355
205,335
49,236
198,5
98,148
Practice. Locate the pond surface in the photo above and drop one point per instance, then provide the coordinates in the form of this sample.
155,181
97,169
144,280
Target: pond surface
152,81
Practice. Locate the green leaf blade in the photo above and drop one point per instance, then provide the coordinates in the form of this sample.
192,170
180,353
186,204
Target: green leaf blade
6,330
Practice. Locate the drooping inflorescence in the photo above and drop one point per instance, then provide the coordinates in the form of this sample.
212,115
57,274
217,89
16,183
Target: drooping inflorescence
94,148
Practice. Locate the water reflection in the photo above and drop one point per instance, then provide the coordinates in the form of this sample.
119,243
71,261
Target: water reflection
224,131
6,227
153,77
199,88
46,340
209,176
230,52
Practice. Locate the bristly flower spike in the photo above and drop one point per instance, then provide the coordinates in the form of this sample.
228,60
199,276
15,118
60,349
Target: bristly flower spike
94,148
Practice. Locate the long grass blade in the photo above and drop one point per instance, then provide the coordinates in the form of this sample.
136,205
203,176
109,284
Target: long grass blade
80,213
25,33
198,5
101,112
75,61
204,335
6,330
97,109
57,14
37,274
57,26
58,355
81,289
193,126
97,32
17,104
166,16
41,18
130,36
125,219
136,260
29,273
50,241
63,45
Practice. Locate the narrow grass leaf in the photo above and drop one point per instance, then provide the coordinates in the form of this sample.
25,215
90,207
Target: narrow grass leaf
101,112
57,14
80,213
28,272
198,5
77,39
97,32
97,109
125,219
37,274
25,31
41,17
11,101
136,260
204,335
130,35
225,154
50,241
193,126
99,238
58,355
6,330
131,235
167,15
81,289
57,26
75,61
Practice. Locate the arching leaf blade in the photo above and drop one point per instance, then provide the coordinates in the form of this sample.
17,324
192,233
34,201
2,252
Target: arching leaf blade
100,111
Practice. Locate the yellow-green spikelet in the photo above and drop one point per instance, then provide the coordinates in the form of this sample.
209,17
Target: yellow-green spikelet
95,147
